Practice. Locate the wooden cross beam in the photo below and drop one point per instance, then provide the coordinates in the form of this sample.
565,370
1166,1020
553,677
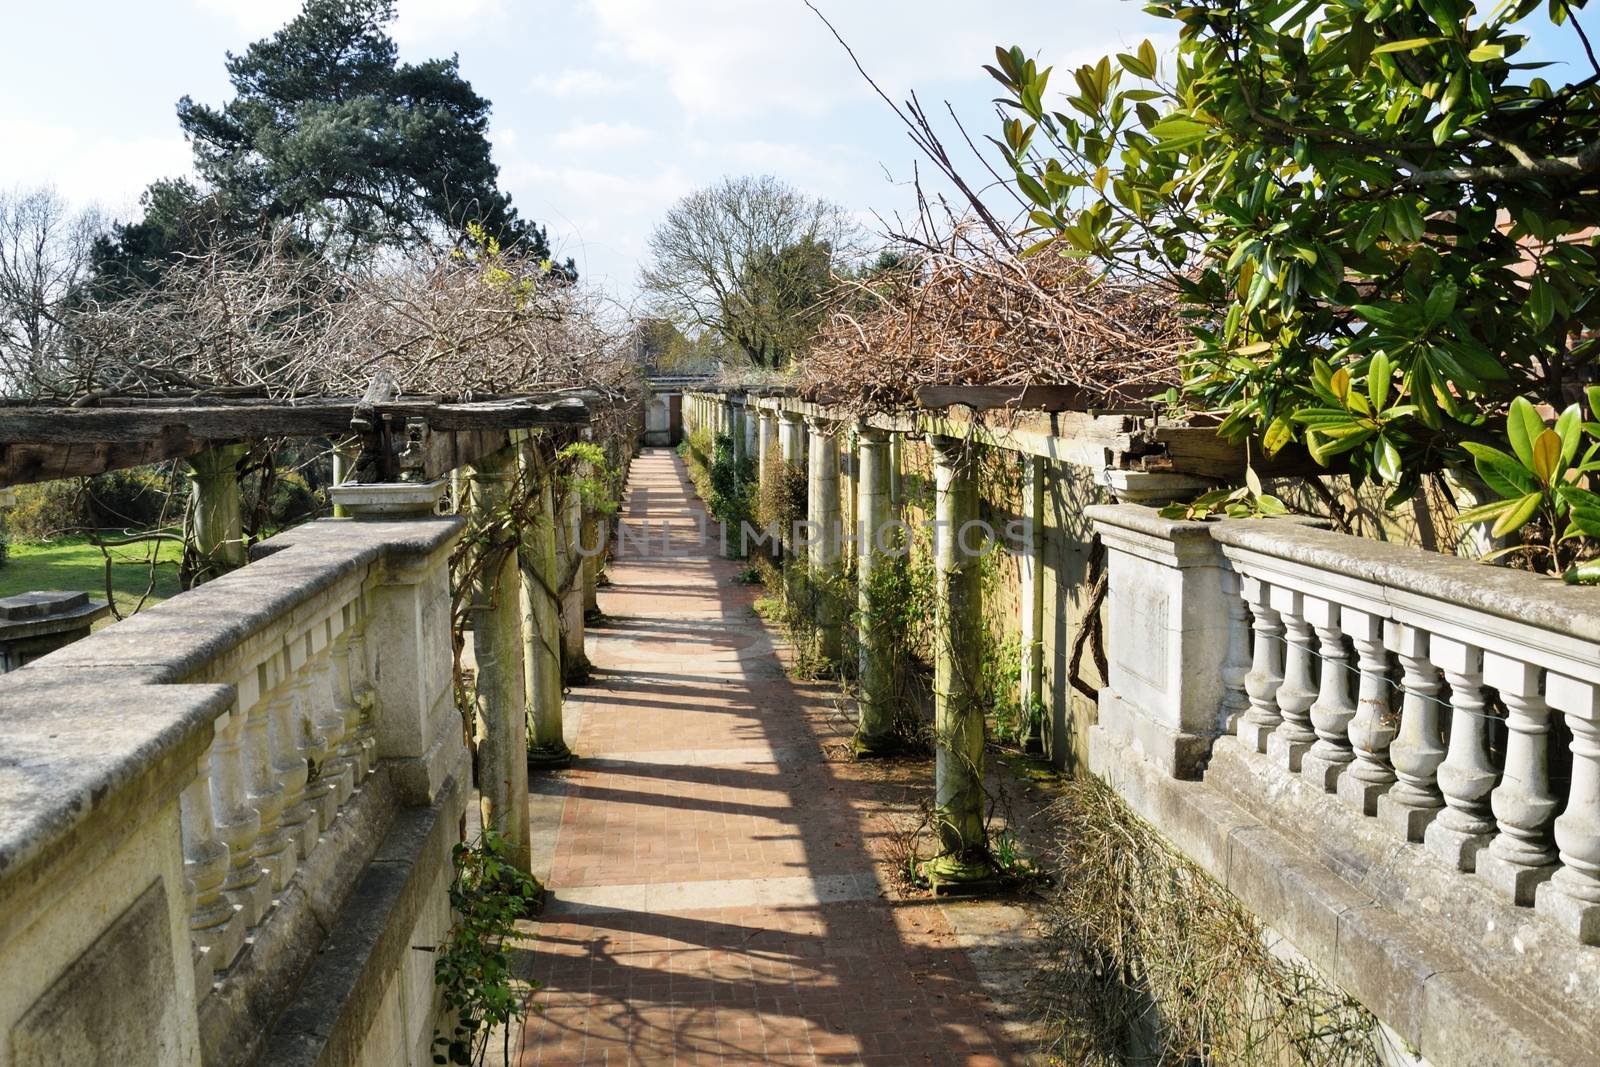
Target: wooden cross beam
41,444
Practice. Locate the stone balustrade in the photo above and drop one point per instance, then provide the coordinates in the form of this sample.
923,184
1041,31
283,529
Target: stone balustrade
192,796
1453,703
1429,692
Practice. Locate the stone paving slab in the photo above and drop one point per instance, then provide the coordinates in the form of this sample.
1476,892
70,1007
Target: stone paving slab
716,886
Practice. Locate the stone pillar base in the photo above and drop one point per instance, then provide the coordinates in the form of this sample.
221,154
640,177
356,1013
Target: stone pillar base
1574,914
1178,754
549,758
1325,773
1403,819
1363,796
952,875
1459,848
1288,754
1515,882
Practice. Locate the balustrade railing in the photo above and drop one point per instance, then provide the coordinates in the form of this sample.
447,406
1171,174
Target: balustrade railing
1453,702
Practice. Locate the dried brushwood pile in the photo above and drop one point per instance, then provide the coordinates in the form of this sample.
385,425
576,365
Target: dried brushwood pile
961,313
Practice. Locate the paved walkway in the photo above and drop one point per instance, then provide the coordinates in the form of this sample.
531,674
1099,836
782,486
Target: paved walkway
714,891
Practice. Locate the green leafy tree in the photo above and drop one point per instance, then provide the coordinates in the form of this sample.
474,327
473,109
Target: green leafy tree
747,262
1381,220
329,132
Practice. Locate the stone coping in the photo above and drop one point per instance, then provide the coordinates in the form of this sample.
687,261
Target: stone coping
1543,602
84,725
78,744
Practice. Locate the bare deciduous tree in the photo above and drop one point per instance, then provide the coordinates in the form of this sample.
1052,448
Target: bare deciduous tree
44,255
749,261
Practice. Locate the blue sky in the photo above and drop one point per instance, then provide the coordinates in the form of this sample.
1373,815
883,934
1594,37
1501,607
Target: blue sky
605,111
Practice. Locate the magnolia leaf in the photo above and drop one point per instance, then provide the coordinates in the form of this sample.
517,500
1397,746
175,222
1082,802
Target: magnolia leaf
1410,44
1523,427
1278,433
1252,481
1547,456
1339,383
1379,372
1386,460
1517,516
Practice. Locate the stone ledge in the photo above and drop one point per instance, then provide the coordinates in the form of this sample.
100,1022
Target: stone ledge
358,967
1404,971
1499,941
65,762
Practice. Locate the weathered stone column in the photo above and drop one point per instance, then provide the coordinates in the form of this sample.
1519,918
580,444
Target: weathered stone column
541,625
766,443
822,513
502,724
963,856
345,454
574,661
1030,692
750,417
875,734
218,526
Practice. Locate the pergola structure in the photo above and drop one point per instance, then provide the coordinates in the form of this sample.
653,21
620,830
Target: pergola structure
392,455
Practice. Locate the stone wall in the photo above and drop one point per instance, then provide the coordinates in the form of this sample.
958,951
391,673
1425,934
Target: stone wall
196,797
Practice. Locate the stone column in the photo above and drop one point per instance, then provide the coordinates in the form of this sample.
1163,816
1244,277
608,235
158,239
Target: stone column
541,626
218,526
875,733
574,661
1030,692
822,512
502,725
963,857
749,419
346,453
766,443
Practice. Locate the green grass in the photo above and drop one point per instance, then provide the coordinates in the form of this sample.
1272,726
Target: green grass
73,564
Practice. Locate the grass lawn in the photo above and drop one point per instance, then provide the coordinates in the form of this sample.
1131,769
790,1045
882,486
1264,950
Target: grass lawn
74,564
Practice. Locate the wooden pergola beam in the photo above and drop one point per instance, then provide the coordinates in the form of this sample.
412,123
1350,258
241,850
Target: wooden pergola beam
46,443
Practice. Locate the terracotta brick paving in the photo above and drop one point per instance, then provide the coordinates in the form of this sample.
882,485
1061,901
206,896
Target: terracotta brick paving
713,890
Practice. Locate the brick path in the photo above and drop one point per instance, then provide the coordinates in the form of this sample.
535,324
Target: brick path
713,889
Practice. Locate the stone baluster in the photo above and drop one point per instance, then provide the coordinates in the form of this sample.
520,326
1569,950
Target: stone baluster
1236,666
1294,736
274,847
342,684
1372,728
331,781
1572,897
1521,855
362,691
1266,667
1466,777
247,884
1330,755
1418,748
289,766
205,869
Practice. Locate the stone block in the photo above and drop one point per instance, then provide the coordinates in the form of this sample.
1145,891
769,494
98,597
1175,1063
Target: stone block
1360,795
1409,823
1516,883
116,1003
1580,918
1290,755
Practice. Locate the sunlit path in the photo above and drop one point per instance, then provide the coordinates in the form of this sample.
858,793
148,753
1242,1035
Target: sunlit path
713,895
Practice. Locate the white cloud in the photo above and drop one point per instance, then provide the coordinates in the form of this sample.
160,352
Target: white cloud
592,137
416,21
578,81
89,168
729,59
